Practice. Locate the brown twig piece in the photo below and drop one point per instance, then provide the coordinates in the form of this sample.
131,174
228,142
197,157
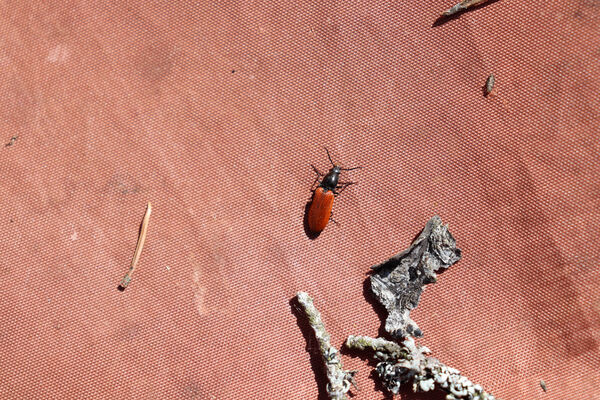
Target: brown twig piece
12,141
138,248
463,5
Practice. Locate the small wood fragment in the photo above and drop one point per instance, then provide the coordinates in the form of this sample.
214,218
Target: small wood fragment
138,248
463,5
489,84
12,141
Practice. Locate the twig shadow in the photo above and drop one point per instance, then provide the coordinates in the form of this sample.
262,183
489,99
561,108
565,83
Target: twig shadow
407,394
442,19
486,94
312,347
377,306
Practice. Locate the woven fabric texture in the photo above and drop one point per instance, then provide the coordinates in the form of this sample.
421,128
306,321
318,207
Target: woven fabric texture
214,111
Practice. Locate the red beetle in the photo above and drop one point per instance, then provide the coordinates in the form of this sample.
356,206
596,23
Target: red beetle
319,212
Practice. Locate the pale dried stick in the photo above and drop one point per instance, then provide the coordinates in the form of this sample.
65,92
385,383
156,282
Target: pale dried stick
339,379
138,248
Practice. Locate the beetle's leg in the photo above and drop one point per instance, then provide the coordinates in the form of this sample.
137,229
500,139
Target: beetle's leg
343,186
312,188
333,220
341,183
319,173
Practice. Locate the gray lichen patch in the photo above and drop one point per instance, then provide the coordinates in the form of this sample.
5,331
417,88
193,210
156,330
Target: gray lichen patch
409,363
399,281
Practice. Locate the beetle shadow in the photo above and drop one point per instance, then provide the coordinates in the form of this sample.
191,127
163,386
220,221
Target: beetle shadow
312,347
309,233
442,19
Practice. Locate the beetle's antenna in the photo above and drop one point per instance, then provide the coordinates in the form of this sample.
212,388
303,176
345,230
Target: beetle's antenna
328,156
332,163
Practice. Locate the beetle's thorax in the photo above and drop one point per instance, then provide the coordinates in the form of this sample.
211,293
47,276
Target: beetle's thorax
330,181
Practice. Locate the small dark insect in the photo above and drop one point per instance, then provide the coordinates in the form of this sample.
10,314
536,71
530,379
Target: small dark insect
489,84
543,385
12,141
319,212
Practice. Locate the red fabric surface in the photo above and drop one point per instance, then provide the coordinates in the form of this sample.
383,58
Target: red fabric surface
214,111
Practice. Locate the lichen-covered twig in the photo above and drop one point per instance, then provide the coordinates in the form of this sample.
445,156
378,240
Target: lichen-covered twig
408,362
339,380
138,248
398,282
463,5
